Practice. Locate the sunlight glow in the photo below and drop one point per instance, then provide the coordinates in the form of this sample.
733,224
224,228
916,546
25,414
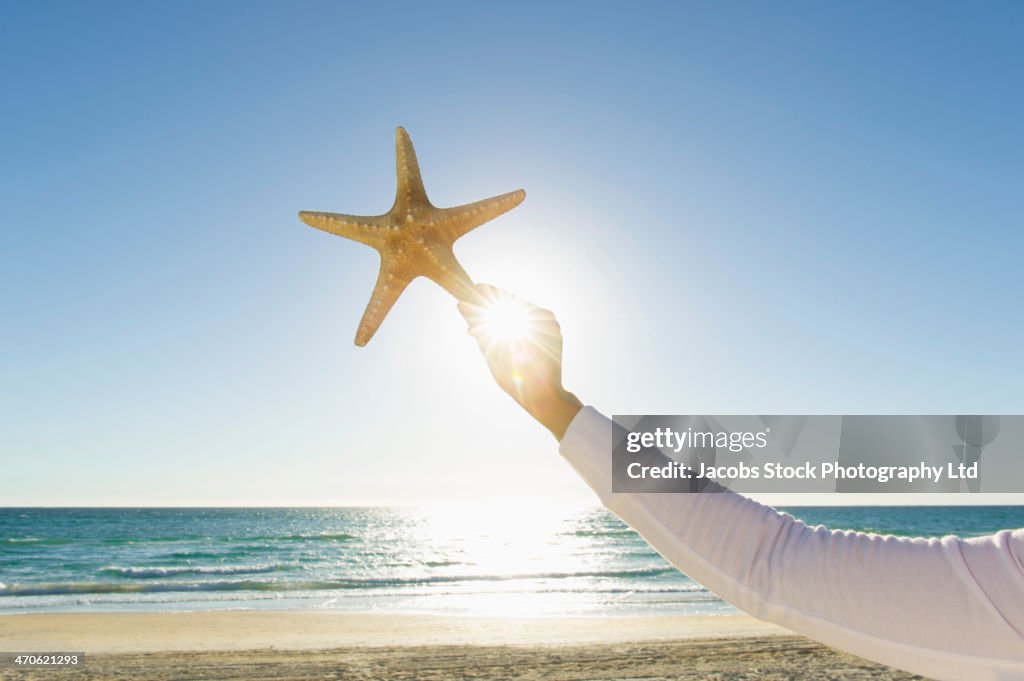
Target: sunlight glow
509,551
506,320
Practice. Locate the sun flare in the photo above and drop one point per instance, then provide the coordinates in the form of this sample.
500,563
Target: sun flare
505,320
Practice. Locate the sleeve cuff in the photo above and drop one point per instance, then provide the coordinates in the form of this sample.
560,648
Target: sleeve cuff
587,446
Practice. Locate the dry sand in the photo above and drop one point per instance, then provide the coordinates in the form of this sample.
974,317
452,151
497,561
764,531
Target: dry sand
252,646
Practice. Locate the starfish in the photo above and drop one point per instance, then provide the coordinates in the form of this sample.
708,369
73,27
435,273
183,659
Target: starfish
414,238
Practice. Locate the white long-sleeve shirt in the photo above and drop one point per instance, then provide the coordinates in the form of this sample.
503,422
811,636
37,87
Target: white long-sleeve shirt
947,608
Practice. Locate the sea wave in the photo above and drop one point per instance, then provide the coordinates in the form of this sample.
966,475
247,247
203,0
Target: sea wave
325,537
173,571
81,588
189,555
625,532
333,537
91,588
36,541
49,589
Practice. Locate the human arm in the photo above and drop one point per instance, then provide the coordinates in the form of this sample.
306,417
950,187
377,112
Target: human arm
948,608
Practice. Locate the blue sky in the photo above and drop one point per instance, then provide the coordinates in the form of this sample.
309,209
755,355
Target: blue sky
732,207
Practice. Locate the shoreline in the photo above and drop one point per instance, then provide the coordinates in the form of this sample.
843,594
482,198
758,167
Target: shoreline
143,632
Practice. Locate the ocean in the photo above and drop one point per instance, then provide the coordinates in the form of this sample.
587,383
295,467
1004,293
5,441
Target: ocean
486,561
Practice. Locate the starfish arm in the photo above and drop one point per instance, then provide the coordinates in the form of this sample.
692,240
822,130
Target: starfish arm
448,273
365,229
390,285
410,191
463,219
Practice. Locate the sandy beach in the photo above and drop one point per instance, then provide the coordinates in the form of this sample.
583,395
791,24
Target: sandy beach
307,645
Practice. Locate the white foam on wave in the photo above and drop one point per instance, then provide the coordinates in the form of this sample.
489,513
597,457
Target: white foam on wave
142,572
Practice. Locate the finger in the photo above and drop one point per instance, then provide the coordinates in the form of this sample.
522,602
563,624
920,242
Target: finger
544,322
475,310
542,316
472,311
490,292
480,298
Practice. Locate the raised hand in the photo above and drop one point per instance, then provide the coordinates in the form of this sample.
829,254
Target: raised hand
522,344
